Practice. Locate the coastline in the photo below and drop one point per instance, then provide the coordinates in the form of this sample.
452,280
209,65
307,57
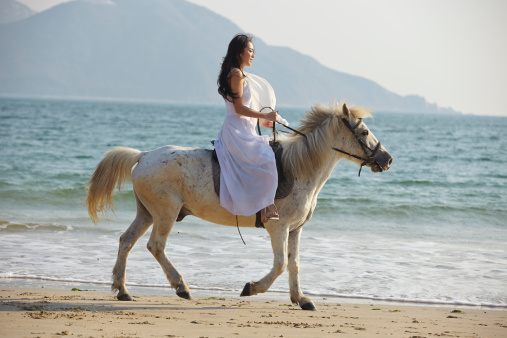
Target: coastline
48,310
155,289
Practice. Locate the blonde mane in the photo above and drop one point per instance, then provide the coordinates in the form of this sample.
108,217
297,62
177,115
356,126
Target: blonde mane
302,157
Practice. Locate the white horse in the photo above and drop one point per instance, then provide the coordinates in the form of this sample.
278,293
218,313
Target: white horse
171,182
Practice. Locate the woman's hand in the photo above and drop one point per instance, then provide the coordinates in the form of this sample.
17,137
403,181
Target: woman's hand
266,123
271,116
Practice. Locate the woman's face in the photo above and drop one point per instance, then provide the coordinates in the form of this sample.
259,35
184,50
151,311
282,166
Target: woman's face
247,55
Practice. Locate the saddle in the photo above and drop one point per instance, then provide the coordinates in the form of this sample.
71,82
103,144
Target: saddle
285,181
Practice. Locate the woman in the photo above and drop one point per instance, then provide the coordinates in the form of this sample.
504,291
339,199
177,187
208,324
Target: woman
248,178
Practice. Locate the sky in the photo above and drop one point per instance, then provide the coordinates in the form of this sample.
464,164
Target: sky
451,52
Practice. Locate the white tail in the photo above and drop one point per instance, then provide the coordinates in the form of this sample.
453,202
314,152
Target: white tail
114,169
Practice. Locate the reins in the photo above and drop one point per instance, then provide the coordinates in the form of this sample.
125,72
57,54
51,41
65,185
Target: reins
369,159
274,129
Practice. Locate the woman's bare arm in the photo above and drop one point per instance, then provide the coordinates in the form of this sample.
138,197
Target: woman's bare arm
237,81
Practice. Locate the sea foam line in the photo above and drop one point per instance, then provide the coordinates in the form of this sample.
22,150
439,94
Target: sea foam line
411,301
317,294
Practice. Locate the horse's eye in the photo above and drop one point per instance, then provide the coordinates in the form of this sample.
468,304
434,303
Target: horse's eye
365,133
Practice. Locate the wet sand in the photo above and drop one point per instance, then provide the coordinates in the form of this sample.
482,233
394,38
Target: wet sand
52,312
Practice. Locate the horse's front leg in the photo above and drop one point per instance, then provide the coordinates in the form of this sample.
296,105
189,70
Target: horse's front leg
296,295
279,234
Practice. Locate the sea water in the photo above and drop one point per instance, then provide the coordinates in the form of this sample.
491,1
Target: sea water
431,229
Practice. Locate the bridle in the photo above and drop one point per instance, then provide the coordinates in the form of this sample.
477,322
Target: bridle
369,159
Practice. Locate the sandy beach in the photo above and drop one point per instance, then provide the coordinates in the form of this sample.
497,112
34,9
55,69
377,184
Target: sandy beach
52,312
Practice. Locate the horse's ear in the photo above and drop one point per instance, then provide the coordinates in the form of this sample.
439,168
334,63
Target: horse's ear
346,112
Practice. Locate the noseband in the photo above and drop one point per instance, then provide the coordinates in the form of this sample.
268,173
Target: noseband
369,159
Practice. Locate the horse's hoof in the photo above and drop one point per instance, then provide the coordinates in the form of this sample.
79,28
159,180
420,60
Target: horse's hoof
308,306
247,290
184,294
124,297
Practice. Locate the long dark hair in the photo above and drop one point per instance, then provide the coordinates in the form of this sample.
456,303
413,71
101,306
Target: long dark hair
231,60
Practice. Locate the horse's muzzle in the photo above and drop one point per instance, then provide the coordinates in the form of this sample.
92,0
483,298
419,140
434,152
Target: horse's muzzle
382,161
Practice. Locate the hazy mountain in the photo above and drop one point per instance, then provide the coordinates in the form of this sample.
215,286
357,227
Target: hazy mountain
11,10
161,50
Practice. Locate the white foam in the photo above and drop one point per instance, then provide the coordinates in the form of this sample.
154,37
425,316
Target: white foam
344,264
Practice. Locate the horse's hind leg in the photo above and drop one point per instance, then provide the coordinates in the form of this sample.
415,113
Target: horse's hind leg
162,226
137,229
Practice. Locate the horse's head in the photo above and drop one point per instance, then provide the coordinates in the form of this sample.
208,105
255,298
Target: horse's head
359,144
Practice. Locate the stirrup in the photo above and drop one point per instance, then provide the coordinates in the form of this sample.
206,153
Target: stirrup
274,218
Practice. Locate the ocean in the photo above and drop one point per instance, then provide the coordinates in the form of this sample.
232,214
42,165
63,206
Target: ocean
432,229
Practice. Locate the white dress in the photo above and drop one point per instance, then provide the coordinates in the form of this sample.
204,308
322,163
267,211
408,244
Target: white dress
248,177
